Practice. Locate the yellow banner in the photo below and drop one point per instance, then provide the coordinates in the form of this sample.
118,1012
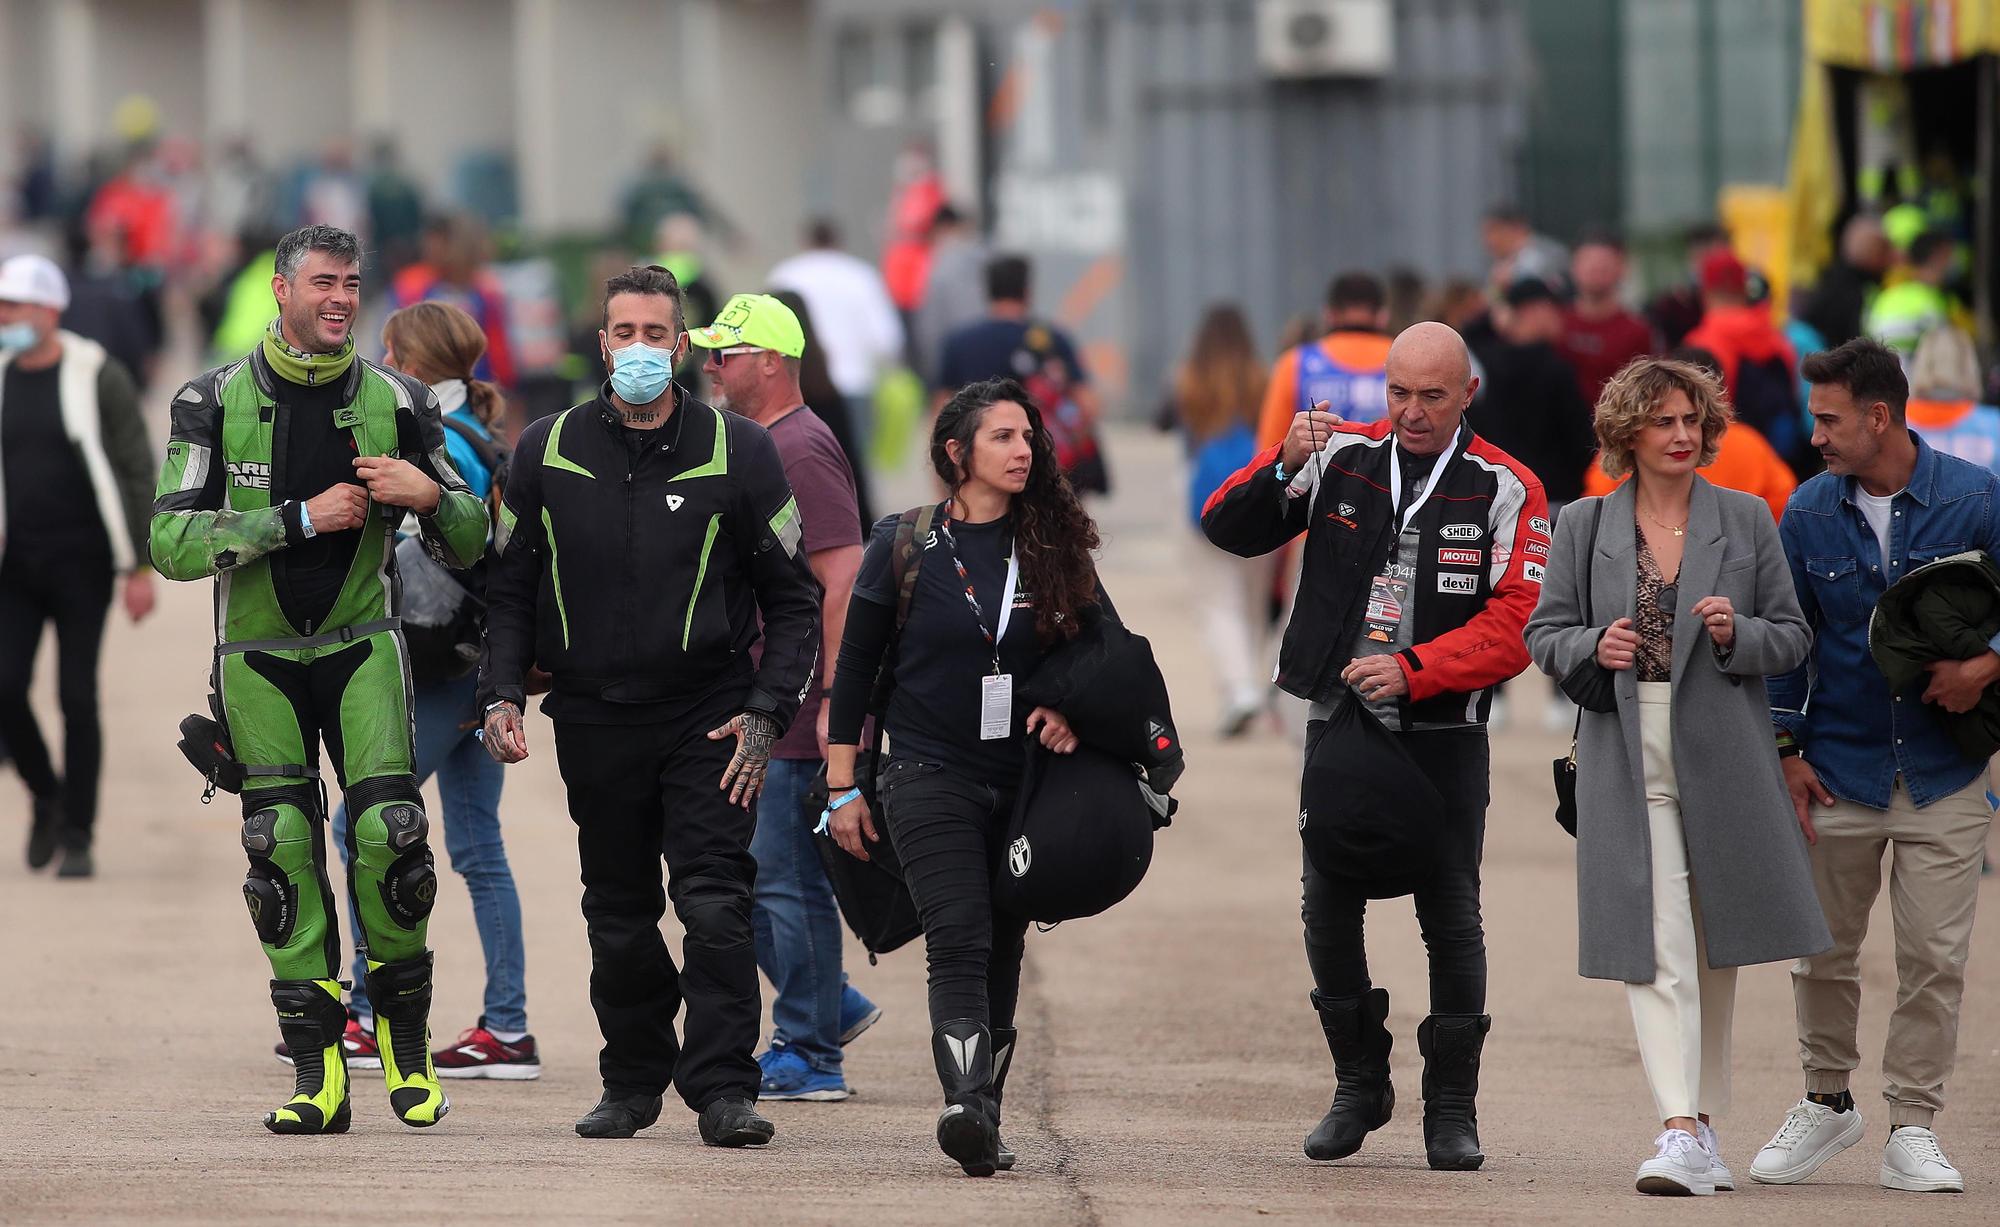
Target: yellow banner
1898,35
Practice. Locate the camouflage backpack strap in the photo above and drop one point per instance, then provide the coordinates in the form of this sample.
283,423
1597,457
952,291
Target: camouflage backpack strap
913,528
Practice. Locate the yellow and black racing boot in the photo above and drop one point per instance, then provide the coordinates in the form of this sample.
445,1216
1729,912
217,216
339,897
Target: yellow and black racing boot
312,1020
401,995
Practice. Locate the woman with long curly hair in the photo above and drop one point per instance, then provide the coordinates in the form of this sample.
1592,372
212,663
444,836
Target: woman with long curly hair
1005,576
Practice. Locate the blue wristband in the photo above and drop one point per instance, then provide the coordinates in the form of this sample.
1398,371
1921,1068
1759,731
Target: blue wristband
826,815
1279,470
305,522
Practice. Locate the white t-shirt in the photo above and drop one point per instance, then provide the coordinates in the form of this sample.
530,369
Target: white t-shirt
852,315
1875,509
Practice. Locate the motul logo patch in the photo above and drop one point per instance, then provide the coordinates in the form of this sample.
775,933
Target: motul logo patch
1458,558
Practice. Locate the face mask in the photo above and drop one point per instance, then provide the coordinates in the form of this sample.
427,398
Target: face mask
20,336
639,373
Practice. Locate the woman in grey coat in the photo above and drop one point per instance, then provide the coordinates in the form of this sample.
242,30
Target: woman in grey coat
1690,862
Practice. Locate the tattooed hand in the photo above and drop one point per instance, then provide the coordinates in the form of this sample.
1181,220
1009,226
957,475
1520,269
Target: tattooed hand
754,732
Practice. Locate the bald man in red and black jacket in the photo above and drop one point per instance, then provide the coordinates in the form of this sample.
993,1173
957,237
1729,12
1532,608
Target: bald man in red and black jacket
1424,551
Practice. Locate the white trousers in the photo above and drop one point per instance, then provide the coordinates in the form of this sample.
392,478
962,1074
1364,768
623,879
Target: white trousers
1683,1017
1234,595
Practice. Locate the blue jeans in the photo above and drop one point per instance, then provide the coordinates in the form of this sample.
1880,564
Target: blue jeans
796,920
469,789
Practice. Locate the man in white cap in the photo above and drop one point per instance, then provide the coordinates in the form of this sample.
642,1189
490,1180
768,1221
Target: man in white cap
76,489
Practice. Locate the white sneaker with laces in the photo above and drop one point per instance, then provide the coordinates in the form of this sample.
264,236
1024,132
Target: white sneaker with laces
1811,1134
1679,1167
1725,1180
1914,1163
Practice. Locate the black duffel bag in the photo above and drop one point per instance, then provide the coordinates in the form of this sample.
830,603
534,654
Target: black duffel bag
1367,811
873,899
1080,838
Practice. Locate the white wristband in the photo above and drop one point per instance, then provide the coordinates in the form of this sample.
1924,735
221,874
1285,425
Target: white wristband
305,522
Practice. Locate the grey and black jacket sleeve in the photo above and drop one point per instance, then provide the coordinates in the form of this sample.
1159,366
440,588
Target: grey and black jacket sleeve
788,595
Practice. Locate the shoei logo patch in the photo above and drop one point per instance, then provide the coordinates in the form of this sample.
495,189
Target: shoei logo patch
674,502
249,475
1458,585
1539,525
1458,558
1461,532
1019,857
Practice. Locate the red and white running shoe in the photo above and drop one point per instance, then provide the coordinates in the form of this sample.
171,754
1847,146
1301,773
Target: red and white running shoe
480,1054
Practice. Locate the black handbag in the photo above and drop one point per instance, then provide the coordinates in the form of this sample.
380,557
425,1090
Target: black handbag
871,894
1590,685
1594,690
1565,769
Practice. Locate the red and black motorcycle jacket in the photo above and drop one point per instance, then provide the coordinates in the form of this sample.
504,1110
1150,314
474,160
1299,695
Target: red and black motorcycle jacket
1484,543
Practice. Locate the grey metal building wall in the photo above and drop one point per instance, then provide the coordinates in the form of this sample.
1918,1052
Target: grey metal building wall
1259,190
1230,184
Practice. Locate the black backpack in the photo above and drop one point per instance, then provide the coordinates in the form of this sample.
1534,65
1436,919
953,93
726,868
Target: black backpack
873,899
1766,399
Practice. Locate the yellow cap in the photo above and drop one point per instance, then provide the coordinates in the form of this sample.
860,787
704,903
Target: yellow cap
757,320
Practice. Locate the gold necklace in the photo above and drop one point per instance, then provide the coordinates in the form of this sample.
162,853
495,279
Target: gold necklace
1678,530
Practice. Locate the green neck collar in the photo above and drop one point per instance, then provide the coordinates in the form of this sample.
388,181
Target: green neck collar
303,368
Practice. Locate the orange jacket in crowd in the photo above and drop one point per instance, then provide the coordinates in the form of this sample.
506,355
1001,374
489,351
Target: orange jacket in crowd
1735,333
1363,354
1745,462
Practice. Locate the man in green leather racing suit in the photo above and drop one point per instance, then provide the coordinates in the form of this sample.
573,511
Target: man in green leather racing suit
287,474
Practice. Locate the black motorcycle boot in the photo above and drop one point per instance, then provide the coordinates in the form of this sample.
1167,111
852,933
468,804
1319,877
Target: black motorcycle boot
1363,1098
1451,1045
1004,1039
968,1129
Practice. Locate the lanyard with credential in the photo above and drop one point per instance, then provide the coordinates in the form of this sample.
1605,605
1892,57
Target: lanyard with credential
993,638
1405,514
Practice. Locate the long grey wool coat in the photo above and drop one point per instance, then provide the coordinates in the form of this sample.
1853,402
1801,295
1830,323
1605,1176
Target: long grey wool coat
1746,854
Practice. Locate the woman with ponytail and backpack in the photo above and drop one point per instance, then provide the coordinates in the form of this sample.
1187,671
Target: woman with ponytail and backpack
1002,575
440,344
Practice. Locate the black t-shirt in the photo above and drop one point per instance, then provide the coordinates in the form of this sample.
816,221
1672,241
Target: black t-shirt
934,714
51,505
1003,349
308,574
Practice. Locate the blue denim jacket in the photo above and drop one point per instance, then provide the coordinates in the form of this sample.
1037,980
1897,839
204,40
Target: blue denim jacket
1857,735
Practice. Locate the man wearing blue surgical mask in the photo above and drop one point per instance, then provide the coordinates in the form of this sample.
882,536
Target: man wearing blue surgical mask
76,477
642,536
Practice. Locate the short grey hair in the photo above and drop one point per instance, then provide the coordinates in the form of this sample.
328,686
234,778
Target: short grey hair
332,240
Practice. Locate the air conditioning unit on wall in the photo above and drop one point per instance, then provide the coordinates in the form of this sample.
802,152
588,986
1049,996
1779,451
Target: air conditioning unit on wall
1325,38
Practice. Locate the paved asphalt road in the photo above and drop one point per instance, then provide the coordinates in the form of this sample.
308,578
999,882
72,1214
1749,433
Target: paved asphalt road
1169,1062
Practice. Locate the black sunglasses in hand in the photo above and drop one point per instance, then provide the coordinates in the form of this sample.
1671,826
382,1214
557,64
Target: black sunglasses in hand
1668,599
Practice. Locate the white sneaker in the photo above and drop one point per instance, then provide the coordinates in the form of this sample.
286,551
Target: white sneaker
1725,1180
1811,1134
1678,1168
1914,1163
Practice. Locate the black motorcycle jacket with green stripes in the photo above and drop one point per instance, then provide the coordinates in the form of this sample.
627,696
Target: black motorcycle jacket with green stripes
633,565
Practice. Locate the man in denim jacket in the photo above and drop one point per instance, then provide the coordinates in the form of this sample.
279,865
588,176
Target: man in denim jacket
1879,766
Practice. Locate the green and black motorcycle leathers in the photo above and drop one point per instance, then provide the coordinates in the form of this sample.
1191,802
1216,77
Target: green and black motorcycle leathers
308,650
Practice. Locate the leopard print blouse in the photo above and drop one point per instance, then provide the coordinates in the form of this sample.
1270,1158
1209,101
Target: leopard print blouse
1655,659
